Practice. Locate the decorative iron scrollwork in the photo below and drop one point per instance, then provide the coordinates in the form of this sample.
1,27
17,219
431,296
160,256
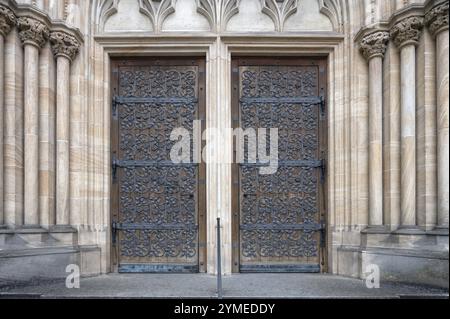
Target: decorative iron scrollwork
280,215
157,198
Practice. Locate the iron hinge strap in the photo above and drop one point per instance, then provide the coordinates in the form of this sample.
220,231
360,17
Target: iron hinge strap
115,164
323,171
153,99
301,163
115,227
323,233
323,105
280,227
114,233
116,100
156,227
114,107
149,163
278,101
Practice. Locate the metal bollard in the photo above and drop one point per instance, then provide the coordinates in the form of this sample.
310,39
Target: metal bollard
219,262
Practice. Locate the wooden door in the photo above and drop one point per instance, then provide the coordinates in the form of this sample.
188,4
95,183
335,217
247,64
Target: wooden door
279,224
158,206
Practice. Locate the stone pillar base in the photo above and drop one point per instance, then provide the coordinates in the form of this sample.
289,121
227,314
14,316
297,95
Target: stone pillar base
409,230
379,229
64,234
440,231
414,259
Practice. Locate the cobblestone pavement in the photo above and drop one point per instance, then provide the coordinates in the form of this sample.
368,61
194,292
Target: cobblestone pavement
204,286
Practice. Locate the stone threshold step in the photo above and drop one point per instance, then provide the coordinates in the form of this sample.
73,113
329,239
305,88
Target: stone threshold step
420,253
37,236
38,230
26,252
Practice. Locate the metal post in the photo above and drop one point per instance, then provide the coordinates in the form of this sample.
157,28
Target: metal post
219,262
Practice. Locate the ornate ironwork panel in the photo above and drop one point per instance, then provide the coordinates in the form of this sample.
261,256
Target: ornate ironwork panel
281,222
156,227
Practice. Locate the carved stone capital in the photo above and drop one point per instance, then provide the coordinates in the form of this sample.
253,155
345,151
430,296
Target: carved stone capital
407,31
437,18
64,44
7,20
32,31
374,44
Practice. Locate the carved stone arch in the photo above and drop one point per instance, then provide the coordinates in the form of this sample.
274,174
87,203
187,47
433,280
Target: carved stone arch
208,9
218,12
279,11
157,11
229,9
103,10
334,10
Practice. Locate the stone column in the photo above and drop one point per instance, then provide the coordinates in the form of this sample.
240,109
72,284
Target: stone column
65,47
33,34
373,47
437,22
7,21
405,35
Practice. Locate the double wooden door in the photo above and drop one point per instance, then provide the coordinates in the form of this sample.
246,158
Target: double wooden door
158,206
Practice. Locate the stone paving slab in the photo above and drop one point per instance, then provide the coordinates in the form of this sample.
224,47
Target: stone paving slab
234,286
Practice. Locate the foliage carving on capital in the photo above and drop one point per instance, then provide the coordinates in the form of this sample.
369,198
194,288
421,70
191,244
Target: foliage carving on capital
32,31
7,20
64,44
374,44
407,31
437,18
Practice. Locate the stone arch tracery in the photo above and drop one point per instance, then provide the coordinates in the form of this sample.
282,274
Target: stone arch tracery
219,12
333,9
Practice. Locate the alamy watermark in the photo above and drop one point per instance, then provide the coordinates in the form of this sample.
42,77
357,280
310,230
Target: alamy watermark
73,279
262,146
372,276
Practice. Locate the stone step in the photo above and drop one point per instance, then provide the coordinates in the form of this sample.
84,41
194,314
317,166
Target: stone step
402,239
32,236
27,264
413,266
5,236
39,237
65,237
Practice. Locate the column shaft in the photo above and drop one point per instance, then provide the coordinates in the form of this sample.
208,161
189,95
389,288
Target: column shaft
13,133
2,99
375,141
62,140
31,134
7,22
47,138
65,47
442,52
408,136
